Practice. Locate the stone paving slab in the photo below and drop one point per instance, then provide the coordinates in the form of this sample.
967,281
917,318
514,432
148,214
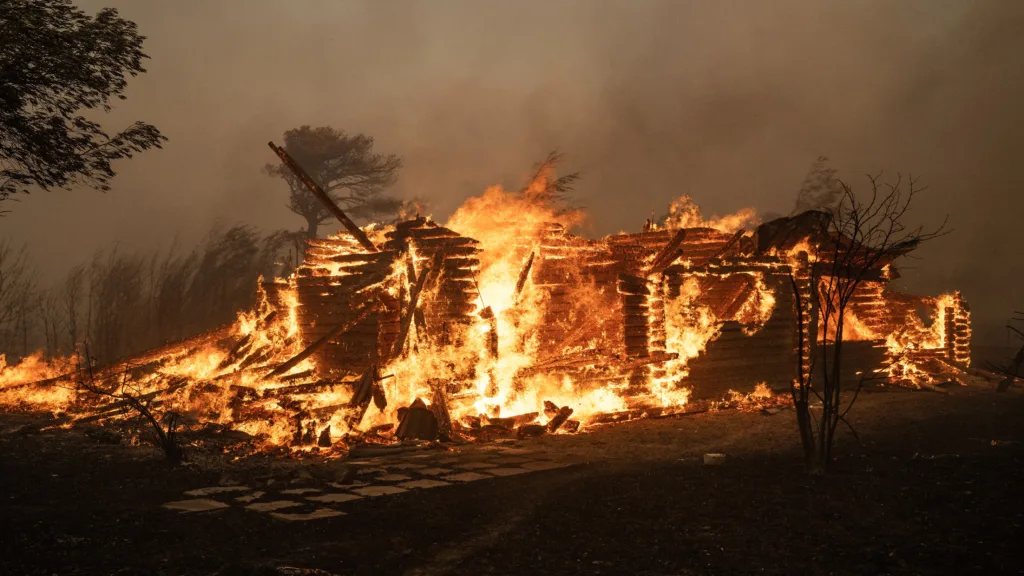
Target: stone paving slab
377,477
435,471
334,497
467,477
196,505
210,491
379,490
250,497
506,471
475,465
423,484
314,515
272,506
543,465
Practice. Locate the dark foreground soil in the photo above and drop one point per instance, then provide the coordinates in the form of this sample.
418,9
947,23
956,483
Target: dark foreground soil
933,488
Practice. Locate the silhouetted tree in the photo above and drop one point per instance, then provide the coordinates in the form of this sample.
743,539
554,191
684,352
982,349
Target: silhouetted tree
55,62
1012,370
857,235
17,299
346,167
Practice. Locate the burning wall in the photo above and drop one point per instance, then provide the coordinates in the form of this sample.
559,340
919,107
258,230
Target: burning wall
503,319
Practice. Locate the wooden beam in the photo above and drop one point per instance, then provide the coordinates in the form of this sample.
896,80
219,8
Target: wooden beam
414,296
322,196
668,254
732,241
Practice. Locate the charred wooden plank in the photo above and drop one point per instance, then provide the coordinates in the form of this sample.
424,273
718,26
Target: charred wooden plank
524,274
439,406
563,414
511,422
530,430
361,397
310,388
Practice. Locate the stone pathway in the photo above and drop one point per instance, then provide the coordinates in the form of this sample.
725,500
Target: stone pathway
375,478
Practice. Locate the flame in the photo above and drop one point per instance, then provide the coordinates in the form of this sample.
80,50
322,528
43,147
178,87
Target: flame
17,389
683,212
531,340
913,345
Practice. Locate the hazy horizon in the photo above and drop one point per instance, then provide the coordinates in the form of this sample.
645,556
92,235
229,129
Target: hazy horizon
728,102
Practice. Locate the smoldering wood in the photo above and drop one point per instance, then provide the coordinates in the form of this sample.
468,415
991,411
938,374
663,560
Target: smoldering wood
511,422
296,376
361,397
239,351
439,406
418,423
563,414
531,430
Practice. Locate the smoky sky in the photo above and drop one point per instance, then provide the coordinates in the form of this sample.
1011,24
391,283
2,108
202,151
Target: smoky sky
727,101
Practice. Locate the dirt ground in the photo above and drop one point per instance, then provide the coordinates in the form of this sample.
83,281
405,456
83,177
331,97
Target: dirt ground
931,488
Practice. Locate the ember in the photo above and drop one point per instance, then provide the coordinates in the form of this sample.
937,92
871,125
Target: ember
503,322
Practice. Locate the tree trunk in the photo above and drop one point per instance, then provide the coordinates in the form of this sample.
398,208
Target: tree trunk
312,225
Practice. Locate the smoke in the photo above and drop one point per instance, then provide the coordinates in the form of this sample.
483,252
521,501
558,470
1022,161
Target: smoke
728,102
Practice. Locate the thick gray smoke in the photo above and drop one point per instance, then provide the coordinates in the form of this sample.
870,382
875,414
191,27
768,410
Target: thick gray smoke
729,102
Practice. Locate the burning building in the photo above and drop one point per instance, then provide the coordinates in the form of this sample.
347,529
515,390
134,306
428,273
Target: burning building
503,321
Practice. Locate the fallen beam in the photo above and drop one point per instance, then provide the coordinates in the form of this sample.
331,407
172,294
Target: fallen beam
524,274
668,254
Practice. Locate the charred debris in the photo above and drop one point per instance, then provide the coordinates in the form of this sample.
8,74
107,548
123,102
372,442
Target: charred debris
396,335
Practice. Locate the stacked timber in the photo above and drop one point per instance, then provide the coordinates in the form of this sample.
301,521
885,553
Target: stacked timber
958,331
452,308
805,316
333,285
882,311
699,247
642,299
635,293
743,355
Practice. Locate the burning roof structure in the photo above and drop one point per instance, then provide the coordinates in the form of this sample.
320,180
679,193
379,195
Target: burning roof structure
503,321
